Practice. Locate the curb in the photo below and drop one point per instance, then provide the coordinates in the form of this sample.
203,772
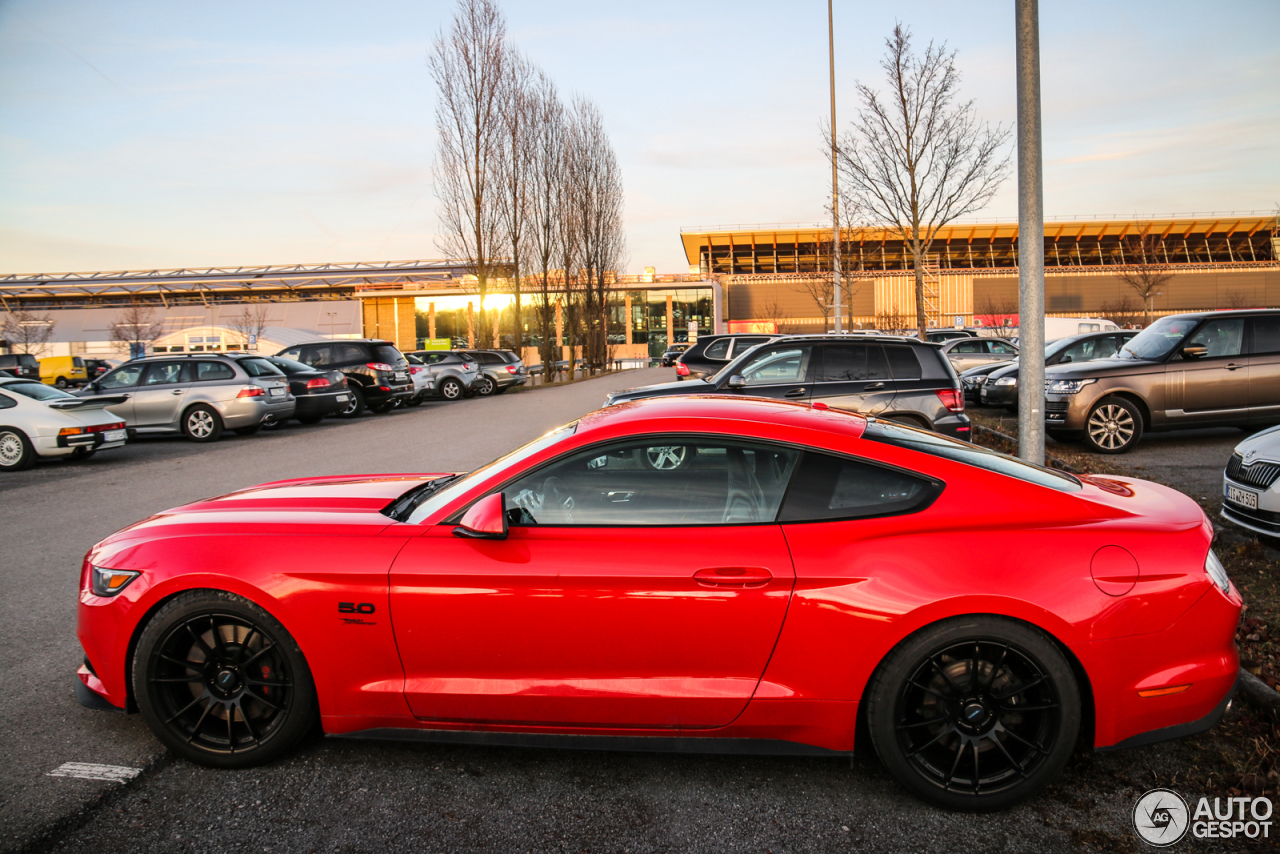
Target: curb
1258,695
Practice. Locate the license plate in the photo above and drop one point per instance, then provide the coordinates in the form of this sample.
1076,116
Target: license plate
277,392
342,398
1243,497
401,375
114,436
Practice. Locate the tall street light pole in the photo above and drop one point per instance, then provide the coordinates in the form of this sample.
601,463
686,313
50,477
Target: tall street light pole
835,184
1030,236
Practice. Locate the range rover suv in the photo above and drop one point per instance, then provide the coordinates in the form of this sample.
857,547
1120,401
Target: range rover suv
890,377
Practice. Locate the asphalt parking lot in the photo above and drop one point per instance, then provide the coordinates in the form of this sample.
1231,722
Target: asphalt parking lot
348,795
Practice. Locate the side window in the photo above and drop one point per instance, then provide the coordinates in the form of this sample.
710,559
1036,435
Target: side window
317,355
346,354
831,487
163,373
656,481
126,376
77,362
7,402
852,363
1001,348
212,371
904,363
292,353
1220,338
742,345
718,349
1266,334
775,367
969,347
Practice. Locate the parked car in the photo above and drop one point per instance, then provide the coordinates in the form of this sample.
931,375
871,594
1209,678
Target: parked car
1001,385
499,370
63,371
972,380
197,394
899,379
939,336
377,373
709,354
1249,495
1203,369
769,571
37,420
21,365
317,393
966,353
452,373
672,353
97,367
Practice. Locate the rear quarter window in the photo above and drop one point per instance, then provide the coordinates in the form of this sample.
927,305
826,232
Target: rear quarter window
904,364
386,353
828,487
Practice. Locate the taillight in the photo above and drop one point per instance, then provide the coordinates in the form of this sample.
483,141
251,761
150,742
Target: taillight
318,382
682,370
252,391
416,369
378,366
512,369
467,366
952,399
102,428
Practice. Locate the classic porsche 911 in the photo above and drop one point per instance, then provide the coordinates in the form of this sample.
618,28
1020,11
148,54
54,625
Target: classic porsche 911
685,573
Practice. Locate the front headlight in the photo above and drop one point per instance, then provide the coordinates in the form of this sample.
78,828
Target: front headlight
1066,386
109,582
1006,381
1217,572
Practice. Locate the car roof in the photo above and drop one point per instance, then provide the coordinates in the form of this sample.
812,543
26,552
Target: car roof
720,408
845,337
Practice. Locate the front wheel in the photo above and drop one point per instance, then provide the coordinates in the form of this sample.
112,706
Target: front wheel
355,407
221,682
202,424
485,386
974,713
16,452
1114,426
451,389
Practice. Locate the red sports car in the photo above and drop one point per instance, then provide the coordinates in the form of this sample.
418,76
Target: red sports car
685,573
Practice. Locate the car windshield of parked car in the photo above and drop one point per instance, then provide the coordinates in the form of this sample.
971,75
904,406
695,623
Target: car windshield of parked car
1158,340
432,502
260,368
290,366
38,391
964,452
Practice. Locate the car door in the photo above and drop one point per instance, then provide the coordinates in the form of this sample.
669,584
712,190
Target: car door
643,584
854,377
782,372
1264,369
123,379
968,353
158,399
1215,385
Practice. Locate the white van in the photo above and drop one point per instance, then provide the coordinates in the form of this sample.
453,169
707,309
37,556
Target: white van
1062,327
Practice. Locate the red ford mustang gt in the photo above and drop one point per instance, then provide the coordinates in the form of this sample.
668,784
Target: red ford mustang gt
684,573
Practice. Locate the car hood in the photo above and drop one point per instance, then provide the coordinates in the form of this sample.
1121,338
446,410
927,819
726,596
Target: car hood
662,390
1102,368
1261,446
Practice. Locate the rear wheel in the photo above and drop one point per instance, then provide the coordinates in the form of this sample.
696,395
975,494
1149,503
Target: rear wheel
485,386
61,382
221,682
16,452
451,389
1114,426
355,407
974,713
202,424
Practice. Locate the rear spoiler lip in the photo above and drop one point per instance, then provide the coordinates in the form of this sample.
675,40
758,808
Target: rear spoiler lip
98,401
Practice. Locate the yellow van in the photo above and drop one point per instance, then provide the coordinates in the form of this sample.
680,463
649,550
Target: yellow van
63,371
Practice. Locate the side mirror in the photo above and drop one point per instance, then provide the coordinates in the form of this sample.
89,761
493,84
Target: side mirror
1064,360
736,381
486,520
1195,351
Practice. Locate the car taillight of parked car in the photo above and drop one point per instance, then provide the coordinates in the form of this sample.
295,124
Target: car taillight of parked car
318,382
468,366
952,399
378,366
682,370
416,369
252,391
512,369
96,428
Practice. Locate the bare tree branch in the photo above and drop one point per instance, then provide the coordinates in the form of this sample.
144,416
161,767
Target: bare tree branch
1143,271
26,332
136,326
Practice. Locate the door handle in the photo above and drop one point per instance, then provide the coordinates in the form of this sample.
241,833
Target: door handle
1232,366
795,392
733,576
176,391
875,386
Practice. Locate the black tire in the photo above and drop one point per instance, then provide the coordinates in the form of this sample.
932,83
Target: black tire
248,431
310,419
1113,426
61,382
16,452
276,424
968,691
356,407
451,389
413,401
485,386
502,389
203,674
202,423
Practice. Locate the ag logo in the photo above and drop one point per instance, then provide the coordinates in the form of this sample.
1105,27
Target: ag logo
1161,817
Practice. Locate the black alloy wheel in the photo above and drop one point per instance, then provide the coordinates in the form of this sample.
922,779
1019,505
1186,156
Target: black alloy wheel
974,713
451,389
221,682
486,387
355,407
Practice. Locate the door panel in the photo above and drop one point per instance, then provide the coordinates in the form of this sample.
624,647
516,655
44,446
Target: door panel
158,398
589,626
854,377
1215,386
783,372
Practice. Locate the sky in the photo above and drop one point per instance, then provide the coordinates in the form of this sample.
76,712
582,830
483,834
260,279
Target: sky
142,135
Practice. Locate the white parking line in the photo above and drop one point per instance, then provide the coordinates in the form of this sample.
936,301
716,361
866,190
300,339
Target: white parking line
90,771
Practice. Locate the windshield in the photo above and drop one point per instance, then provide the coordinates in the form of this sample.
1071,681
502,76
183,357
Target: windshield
435,500
1158,340
260,368
38,391
292,366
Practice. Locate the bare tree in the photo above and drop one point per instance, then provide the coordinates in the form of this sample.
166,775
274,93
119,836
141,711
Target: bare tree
996,311
1144,271
251,321
892,320
1124,311
917,158
469,65
546,189
26,332
514,165
135,327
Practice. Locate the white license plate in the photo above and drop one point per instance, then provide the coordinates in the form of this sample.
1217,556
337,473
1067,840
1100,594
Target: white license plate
114,436
401,375
342,398
1243,497
277,392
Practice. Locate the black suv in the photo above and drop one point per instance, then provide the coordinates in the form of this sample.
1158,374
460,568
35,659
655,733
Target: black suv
22,365
377,373
894,378
710,353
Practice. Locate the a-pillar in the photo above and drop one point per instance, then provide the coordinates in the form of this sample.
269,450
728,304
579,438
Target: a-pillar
471,325
670,336
627,316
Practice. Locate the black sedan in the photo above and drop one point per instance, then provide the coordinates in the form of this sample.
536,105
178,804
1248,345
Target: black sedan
672,353
1001,386
319,393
